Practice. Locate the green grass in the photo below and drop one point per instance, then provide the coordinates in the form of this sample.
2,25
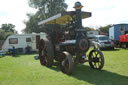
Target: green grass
25,70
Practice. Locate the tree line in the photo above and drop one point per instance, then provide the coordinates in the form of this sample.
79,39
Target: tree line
104,29
46,9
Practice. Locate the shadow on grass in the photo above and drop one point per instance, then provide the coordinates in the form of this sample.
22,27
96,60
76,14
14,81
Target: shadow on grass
55,67
10,55
96,77
2,56
16,56
116,49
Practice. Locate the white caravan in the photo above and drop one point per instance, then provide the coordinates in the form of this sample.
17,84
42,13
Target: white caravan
21,41
91,34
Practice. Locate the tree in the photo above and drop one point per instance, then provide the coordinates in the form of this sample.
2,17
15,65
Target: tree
88,28
4,35
104,28
8,28
32,24
45,9
48,8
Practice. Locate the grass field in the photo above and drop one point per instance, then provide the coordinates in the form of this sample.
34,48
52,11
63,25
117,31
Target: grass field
25,70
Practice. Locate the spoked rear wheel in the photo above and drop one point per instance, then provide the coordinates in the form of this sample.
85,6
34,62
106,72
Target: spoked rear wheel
96,59
66,63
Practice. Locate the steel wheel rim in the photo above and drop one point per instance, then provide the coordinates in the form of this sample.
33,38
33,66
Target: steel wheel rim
66,64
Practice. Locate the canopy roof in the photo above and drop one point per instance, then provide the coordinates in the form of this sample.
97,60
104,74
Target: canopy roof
64,18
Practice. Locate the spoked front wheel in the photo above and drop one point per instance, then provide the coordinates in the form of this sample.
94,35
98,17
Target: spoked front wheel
96,59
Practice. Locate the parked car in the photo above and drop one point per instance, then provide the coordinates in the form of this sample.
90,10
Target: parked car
102,41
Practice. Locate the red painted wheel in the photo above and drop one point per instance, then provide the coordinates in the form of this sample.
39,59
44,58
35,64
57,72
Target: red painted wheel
66,63
46,52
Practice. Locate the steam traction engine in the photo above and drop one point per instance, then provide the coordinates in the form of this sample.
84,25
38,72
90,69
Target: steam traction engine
68,44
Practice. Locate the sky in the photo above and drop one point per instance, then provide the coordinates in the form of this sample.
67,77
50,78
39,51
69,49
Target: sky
104,12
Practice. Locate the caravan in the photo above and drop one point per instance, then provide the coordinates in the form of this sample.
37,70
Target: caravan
22,41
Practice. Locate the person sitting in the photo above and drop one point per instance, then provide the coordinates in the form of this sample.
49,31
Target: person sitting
28,49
